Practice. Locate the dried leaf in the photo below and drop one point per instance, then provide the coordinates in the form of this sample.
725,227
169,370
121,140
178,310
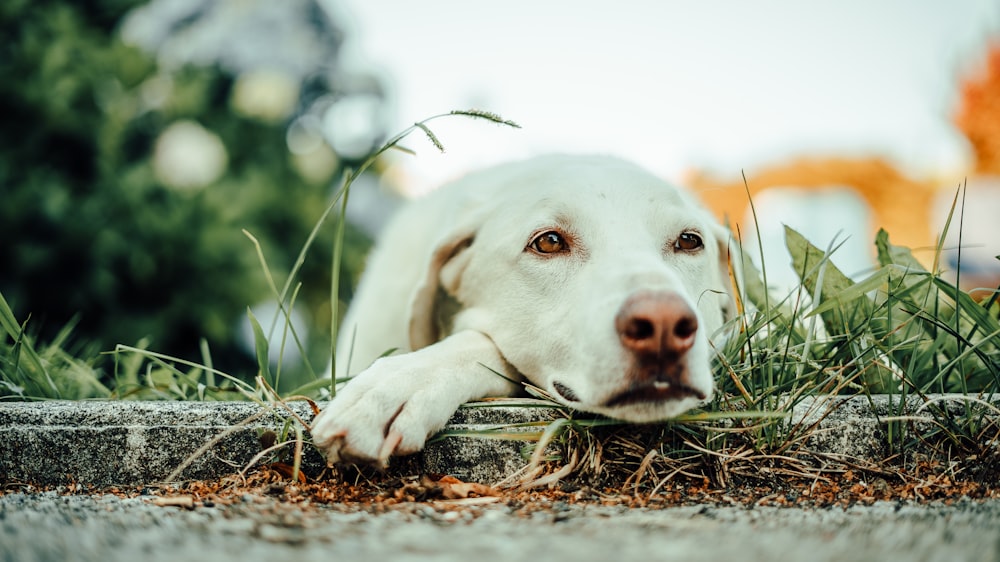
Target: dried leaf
187,502
452,488
287,471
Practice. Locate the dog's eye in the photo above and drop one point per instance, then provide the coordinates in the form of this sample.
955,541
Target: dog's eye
550,242
688,242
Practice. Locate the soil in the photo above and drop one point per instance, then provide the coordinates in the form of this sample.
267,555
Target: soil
375,492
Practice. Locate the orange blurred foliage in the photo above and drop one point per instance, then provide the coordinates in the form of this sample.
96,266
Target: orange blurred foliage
978,115
899,203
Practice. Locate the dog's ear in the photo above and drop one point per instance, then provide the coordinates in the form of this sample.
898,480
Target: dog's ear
433,302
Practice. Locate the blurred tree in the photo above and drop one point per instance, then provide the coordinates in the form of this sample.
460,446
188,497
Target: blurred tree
125,182
978,115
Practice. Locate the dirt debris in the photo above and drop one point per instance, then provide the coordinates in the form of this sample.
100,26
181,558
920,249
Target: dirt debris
352,489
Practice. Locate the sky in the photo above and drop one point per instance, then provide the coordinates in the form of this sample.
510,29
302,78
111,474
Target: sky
718,85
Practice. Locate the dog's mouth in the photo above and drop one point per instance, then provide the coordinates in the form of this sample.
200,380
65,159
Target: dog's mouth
654,392
658,391
565,391
656,382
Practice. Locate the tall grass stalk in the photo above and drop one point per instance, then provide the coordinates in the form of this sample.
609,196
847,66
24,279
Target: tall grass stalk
344,194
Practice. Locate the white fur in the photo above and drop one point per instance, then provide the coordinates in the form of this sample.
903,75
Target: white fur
525,316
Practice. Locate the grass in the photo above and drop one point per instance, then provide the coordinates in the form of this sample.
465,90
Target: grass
903,331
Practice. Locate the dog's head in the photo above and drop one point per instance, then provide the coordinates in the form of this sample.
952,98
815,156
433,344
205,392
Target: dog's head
596,280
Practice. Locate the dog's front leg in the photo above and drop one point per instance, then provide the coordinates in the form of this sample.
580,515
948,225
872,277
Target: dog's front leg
394,405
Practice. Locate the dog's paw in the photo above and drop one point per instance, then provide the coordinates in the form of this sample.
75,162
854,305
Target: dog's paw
386,410
392,407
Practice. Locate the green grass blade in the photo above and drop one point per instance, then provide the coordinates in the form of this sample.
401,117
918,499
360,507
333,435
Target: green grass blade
851,293
260,346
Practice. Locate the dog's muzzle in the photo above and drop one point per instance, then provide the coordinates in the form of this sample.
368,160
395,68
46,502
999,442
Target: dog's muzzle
656,330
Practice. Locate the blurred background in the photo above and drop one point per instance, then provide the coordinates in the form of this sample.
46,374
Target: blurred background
141,138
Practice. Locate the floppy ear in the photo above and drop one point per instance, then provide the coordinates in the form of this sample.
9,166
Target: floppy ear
433,301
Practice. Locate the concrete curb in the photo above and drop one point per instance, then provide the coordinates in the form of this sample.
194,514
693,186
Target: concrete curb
139,443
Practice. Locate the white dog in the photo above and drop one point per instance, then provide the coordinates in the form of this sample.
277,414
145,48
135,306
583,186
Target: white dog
586,276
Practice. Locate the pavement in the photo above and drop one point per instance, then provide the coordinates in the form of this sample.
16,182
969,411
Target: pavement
137,443
48,527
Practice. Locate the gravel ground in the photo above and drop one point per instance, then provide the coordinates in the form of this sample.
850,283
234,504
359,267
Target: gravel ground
50,527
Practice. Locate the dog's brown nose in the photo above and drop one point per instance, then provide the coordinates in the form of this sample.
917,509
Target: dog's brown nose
659,325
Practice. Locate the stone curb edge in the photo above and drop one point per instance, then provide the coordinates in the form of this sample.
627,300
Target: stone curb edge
104,443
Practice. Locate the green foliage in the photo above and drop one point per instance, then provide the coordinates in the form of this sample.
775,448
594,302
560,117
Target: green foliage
92,236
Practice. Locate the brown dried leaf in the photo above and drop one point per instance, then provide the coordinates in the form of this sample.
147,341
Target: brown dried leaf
185,501
452,488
